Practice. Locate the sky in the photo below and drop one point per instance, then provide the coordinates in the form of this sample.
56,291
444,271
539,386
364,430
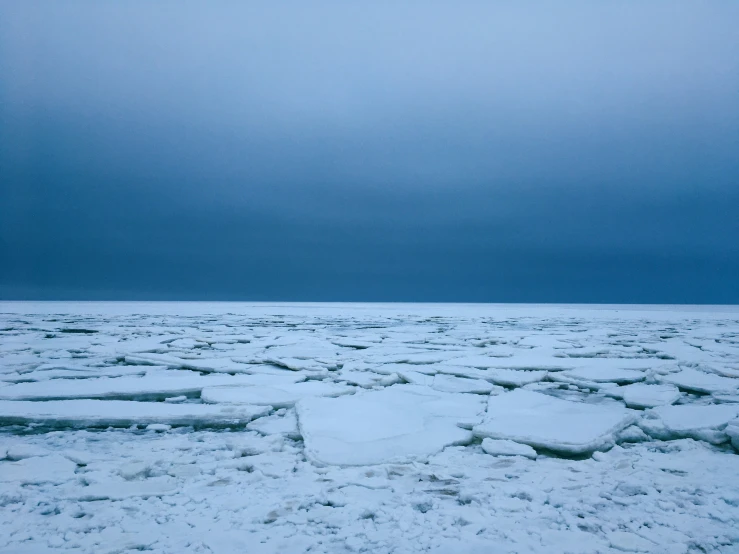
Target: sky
386,151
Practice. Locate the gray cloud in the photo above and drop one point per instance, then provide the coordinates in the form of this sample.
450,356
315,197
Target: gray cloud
580,152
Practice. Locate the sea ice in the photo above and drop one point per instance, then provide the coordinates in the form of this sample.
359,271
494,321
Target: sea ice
392,468
507,448
603,374
170,383
698,381
283,396
398,424
701,422
97,413
451,383
285,424
543,421
38,469
513,377
640,395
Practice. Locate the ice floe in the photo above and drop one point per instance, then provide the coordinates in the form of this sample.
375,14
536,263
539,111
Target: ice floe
701,422
281,396
641,395
96,413
543,421
394,425
507,448
699,381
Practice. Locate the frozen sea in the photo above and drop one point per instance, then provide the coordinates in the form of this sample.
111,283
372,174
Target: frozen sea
288,428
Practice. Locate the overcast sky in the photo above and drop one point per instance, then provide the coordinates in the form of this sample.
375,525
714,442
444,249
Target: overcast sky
389,151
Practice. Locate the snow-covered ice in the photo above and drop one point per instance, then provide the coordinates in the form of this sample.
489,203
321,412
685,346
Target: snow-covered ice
703,422
543,421
641,395
502,447
117,413
398,424
272,428
699,381
278,396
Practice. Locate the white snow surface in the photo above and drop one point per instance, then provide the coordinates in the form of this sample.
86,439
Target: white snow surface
272,428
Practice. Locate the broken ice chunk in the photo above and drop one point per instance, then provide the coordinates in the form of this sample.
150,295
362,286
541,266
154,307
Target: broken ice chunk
286,425
279,396
503,447
706,422
543,421
123,413
640,395
698,381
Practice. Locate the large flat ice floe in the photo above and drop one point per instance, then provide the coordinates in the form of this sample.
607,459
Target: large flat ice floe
543,421
203,428
399,424
96,413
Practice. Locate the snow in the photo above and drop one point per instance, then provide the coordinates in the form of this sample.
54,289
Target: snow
266,428
543,421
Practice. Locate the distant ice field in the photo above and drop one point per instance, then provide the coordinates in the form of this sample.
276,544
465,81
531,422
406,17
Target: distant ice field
388,428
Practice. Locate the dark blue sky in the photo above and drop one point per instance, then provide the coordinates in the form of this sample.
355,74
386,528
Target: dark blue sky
472,151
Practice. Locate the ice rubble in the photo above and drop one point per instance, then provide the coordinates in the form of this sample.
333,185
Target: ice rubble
543,421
